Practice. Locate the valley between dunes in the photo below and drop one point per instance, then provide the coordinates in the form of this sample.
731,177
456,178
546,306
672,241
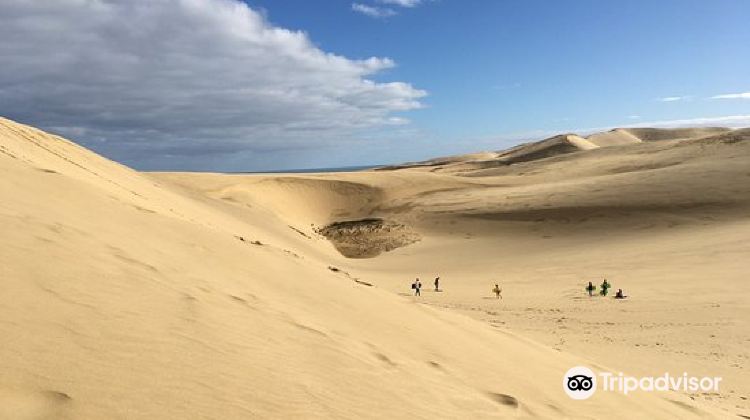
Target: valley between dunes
130,295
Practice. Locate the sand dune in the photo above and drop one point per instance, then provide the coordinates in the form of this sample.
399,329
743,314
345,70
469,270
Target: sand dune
555,146
130,295
620,136
442,161
558,145
614,137
658,134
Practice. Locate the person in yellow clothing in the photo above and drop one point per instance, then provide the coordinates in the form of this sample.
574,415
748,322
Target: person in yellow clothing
497,291
591,289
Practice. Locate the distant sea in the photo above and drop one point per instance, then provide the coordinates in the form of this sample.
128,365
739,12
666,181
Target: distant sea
313,170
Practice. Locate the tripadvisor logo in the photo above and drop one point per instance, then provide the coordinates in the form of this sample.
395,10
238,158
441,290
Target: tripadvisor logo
581,382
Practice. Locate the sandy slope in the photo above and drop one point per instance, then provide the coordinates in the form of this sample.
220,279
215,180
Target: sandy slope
129,296
665,220
615,137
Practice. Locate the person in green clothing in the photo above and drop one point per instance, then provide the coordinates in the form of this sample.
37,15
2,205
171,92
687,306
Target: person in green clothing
605,287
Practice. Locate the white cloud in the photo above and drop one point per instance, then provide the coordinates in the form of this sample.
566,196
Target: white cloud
402,3
372,11
142,79
384,12
634,117
731,121
744,95
673,98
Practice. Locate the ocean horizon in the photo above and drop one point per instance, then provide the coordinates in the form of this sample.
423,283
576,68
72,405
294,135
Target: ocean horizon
312,170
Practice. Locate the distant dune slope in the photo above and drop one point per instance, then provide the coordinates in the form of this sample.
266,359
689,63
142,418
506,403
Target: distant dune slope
558,145
620,136
555,146
614,137
128,295
678,178
658,134
664,181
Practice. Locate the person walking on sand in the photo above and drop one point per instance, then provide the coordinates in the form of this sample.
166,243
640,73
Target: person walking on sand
591,288
418,291
437,284
498,292
605,287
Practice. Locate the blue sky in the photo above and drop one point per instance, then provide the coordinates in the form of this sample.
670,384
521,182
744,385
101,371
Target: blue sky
452,76
498,67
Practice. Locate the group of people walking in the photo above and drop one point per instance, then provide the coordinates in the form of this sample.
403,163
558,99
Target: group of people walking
604,289
497,290
417,287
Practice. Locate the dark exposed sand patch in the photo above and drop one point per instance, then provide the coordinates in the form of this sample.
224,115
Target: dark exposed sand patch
368,238
504,399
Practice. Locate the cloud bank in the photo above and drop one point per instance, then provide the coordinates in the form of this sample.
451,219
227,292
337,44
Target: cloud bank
743,95
673,98
179,83
402,3
384,12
